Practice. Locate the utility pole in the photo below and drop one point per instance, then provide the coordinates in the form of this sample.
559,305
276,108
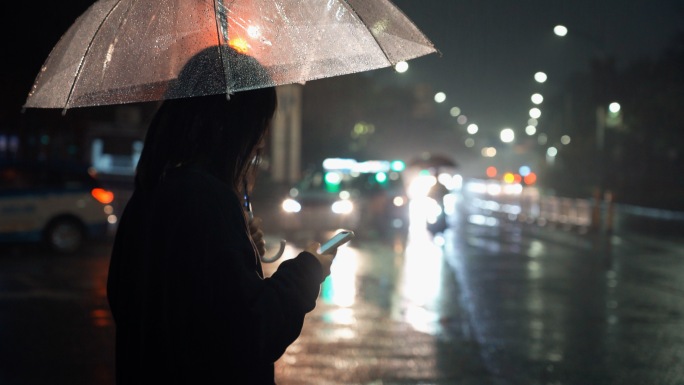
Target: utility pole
286,135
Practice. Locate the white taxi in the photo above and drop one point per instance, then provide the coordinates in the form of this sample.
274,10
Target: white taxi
58,204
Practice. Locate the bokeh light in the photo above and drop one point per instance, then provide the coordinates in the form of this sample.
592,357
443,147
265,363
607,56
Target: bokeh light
401,67
565,139
560,30
535,113
507,135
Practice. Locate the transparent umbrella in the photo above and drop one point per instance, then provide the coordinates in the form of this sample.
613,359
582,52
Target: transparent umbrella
124,51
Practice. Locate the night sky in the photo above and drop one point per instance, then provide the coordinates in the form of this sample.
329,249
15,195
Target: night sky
489,48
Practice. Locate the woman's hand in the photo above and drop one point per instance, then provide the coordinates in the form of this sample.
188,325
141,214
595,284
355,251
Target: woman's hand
257,235
325,259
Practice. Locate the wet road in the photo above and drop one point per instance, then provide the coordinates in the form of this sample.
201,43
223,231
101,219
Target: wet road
487,303
551,307
55,325
390,313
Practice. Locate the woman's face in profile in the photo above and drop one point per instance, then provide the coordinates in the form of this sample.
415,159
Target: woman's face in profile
259,148
261,145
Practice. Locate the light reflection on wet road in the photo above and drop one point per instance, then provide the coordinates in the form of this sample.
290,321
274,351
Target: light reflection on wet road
536,306
491,302
554,308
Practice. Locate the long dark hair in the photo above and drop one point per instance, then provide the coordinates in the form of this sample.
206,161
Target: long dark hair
218,133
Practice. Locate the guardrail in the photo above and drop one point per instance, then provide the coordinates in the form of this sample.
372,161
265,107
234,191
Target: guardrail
598,214
529,205
570,213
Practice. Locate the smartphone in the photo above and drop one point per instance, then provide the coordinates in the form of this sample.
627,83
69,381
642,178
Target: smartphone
340,238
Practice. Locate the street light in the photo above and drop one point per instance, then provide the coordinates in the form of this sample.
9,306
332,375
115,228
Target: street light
537,98
560,30
540,77
401,67
507,135
551,153
614,107
535,113
605,117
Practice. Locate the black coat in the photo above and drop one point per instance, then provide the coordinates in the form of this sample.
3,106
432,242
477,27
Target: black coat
187,292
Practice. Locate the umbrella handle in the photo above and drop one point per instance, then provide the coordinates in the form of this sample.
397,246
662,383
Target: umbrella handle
276,256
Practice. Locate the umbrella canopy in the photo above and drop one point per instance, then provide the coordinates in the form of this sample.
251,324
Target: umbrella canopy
125,51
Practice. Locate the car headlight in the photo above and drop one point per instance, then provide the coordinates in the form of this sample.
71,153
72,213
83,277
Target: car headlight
342,207
290,205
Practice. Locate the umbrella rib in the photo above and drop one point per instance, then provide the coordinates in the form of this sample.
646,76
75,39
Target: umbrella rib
222,33
349,6
90,44
96,61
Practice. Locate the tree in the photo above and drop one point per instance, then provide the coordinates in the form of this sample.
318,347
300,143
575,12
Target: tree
644,155
399,122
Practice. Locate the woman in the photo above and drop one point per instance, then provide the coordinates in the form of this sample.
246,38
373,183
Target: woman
185,285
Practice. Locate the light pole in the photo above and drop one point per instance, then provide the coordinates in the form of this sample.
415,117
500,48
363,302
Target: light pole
532,129
601,192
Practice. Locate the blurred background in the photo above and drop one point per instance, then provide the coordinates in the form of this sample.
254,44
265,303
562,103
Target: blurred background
555,87
562,117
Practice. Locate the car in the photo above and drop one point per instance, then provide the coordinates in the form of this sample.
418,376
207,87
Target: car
319,202
383,201
368,200
57,204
